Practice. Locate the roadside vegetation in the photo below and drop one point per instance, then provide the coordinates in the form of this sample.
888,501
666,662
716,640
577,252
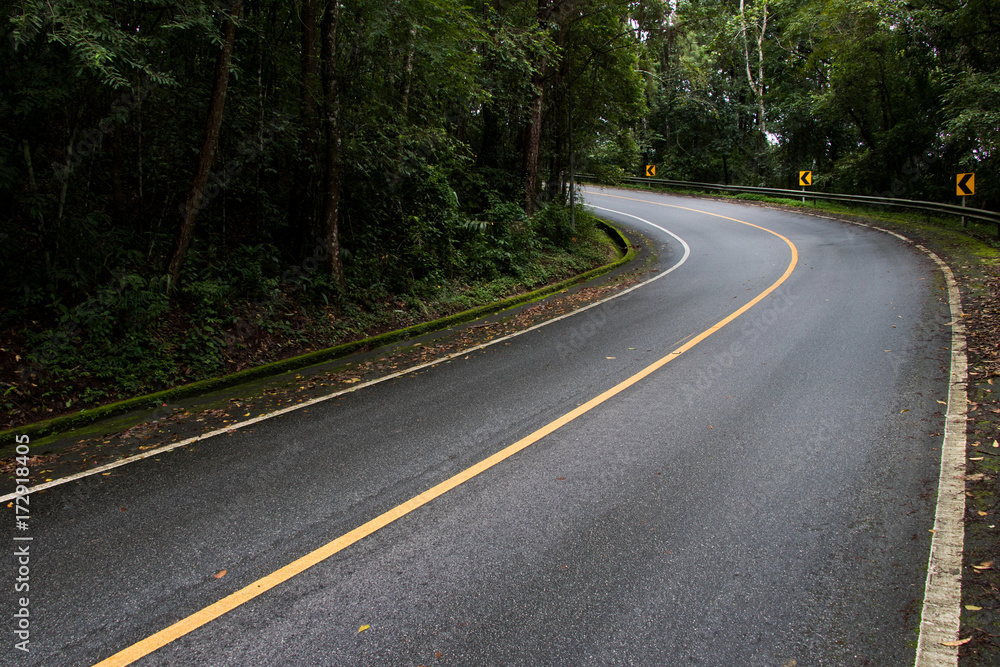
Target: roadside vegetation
130,339
193,187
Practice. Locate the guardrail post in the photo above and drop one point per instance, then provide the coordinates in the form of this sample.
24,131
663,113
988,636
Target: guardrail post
963,217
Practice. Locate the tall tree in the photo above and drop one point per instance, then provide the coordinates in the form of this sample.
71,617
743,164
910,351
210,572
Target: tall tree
533,139
331,124
210,142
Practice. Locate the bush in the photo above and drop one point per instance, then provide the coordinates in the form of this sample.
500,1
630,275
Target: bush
609,174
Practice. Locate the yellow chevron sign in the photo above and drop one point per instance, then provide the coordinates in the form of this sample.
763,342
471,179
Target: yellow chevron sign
965,184
805,178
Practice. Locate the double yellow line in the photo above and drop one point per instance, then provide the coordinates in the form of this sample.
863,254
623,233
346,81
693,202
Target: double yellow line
231,602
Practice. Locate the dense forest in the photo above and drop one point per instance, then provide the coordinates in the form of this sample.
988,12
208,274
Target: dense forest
177,176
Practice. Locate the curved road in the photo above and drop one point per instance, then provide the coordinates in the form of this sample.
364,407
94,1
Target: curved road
763,498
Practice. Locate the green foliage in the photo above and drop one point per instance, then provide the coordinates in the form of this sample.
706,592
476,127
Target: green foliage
873,96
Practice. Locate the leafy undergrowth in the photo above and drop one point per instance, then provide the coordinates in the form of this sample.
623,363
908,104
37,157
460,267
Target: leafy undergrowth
129,340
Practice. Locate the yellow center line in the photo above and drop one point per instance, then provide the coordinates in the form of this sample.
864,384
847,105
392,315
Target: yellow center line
225,605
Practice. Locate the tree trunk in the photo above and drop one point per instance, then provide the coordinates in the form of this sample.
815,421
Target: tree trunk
532,144
210,142
302,205
408,77
534,138
117,190
756,86
308,65
331,113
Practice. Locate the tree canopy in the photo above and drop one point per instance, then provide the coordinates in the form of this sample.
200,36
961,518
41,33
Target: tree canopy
876,97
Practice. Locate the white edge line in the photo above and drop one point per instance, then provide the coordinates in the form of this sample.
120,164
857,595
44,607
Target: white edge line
941,613
319,399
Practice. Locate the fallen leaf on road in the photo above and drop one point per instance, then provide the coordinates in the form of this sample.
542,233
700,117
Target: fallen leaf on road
983,566
982,513
976,458
943,402
363,628
972,607
958,643
978,477
904,410
609,357
996,444
220,574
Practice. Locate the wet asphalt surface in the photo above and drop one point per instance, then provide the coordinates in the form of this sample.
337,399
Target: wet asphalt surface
764,497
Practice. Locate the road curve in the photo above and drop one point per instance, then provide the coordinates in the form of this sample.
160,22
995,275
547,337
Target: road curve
765,497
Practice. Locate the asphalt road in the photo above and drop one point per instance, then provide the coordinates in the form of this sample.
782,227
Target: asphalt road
765,497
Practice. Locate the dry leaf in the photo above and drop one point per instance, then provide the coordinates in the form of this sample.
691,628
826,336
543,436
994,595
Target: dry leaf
978,477
996,444
609,357
958,643
363,628
976,458
972,607
904,410
220,574
943,402
983,566
982,513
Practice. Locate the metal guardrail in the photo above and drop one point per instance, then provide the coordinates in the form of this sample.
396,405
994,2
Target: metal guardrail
934,207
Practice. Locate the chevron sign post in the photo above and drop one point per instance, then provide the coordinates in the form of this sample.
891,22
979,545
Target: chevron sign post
965,185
